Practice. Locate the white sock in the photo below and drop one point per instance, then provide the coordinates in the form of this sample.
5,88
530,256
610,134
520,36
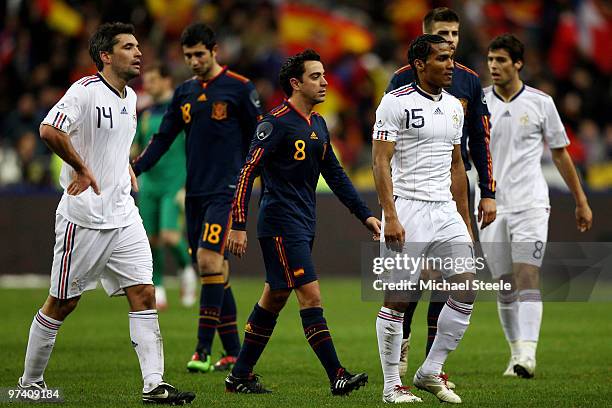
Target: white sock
389,325
147,341
530,319
507,309
40,345
452,323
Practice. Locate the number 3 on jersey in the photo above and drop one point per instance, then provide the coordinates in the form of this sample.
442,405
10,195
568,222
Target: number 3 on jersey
186,110
300,153
211,233
413,119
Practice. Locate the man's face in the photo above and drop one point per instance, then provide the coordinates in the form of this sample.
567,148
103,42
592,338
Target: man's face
154,84
448,30
313,85
126,57
438,69
200,59
501,67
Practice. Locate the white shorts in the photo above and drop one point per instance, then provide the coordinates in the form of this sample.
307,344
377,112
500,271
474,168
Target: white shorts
119,258
517,237
436,233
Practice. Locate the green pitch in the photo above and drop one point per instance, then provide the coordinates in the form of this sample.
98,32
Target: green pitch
94,364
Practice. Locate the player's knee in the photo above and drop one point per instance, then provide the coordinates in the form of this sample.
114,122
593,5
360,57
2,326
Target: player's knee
209,262
141,297
59,309
313,300
275,300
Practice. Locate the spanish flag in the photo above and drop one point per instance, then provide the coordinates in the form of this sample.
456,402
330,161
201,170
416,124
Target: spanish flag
61,17
306,26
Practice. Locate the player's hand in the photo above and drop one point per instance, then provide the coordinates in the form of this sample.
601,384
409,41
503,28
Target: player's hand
133,178
584,217
487,212
237,242
373,224
81,181
395,236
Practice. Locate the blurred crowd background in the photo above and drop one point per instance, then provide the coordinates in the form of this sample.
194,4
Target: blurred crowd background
43,49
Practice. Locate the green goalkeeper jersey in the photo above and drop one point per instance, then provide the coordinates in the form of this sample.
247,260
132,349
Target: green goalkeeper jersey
170,171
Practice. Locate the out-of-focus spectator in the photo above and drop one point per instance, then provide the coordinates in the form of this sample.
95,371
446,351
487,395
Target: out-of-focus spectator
23,118
34,168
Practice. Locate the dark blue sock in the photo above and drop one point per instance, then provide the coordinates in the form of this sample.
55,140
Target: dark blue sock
408,318
227,328
319,338
433,312
211,299
257,332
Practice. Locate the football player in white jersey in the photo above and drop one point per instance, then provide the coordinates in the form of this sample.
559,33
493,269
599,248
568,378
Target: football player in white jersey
99,233
419,177
523,120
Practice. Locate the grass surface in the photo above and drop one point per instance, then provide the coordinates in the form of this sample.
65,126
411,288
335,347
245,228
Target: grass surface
94,364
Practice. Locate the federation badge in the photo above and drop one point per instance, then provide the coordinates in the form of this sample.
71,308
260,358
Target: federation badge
219,110
264,129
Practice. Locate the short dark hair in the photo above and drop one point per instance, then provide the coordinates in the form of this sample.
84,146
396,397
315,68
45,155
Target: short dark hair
511,44
294,68
439,14
105,38
198,33
421,47
160,67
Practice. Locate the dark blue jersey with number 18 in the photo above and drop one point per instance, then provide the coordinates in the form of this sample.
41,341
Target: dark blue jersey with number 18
219,118
290,151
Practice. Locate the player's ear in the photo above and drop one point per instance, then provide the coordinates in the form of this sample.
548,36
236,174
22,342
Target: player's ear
295,83
215,50
420,65
105,56
518,65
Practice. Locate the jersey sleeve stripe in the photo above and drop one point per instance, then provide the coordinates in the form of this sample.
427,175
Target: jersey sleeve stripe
381,135
402,69
237,76
487,129
244,182
463,67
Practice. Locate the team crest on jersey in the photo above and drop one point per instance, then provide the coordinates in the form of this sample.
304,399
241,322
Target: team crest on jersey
202,98
456,121
524,120
219,110
464,103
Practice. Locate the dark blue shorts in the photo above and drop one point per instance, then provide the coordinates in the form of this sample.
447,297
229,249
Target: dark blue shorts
288,262
208,223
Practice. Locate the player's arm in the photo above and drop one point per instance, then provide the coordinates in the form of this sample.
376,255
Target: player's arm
249,113
66,116
172,124
388,123
478,128
267,137
459,187
556,137
343,188
59,143
563,162
382,152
